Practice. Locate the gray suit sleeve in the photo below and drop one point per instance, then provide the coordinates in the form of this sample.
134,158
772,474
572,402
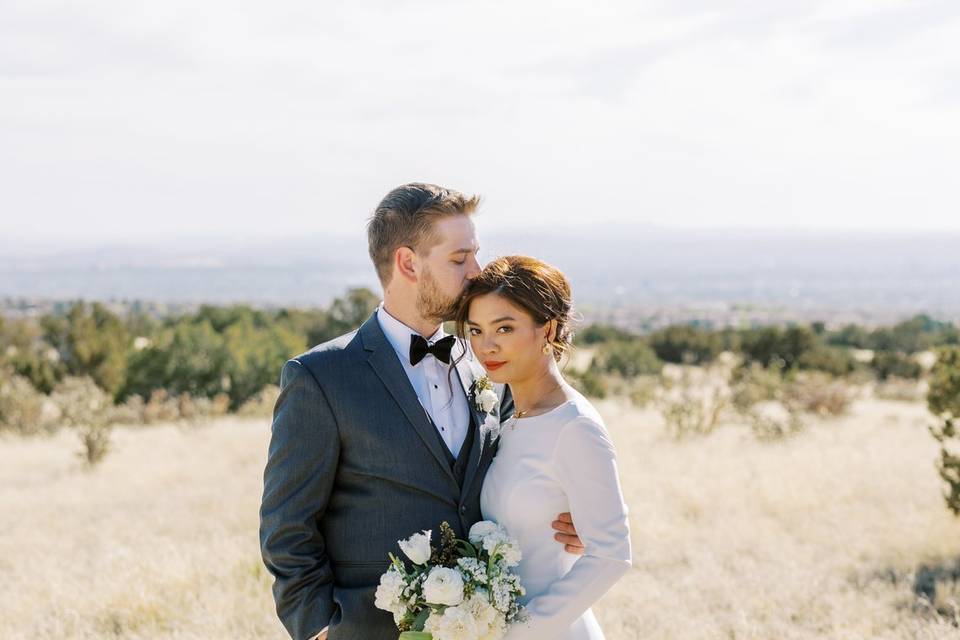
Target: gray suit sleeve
301,467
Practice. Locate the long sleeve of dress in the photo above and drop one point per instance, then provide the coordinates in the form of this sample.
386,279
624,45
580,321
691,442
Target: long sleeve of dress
586,467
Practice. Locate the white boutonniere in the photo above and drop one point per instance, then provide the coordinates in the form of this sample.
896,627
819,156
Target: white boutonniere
487,401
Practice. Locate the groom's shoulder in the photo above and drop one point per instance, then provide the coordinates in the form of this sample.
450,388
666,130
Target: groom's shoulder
338,349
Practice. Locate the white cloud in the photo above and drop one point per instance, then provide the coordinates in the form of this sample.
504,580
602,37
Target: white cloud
121,119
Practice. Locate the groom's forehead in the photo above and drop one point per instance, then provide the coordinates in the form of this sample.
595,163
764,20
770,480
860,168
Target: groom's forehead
455,234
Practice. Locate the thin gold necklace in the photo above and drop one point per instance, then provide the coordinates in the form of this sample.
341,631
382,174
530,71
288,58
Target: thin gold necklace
519,414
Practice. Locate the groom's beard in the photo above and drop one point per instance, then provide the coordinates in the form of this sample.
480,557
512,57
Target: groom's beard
432,304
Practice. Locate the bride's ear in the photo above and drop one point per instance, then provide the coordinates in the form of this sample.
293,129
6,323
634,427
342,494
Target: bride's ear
551,335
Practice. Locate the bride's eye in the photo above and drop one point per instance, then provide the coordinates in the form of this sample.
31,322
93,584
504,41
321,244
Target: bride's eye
505,329
474,332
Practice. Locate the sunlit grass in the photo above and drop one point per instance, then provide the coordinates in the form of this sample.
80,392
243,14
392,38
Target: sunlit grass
839,532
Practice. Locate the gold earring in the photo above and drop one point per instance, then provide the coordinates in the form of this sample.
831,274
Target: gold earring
546,348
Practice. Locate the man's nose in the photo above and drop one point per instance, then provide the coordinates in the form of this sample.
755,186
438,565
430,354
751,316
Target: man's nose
473,269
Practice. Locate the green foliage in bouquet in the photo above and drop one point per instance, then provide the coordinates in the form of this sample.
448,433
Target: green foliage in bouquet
456,586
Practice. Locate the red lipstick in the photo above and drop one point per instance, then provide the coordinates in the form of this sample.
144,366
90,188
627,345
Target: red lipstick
493,365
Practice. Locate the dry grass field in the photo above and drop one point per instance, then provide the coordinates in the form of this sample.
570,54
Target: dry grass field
835,533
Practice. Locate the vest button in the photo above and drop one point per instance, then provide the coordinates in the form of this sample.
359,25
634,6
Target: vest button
463,510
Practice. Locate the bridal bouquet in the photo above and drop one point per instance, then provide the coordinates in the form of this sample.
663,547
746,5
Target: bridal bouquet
461,590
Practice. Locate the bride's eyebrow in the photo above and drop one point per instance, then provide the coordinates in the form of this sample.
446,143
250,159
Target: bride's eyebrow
503,319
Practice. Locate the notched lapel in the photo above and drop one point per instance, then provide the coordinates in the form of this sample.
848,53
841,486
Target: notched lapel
383,360
468,370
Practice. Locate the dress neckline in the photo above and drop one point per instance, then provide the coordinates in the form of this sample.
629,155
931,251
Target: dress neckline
545,413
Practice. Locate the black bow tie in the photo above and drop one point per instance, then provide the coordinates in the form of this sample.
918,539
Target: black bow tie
440,349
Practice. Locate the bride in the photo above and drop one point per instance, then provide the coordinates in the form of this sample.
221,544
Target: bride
554,454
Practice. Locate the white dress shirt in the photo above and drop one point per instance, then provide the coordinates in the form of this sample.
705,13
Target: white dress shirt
437,385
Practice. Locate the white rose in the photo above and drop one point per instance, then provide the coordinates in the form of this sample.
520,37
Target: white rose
481,530
487,400
417,547
443,586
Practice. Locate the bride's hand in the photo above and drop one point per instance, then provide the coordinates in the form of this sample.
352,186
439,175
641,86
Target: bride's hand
568,534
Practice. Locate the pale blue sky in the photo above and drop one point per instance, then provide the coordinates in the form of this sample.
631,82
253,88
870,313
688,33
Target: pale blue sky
121,119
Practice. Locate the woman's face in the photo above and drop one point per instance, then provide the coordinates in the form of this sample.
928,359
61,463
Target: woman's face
506,338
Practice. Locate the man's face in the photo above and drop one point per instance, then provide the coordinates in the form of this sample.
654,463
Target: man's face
447,267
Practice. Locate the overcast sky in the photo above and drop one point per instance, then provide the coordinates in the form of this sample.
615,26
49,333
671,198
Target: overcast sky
125,119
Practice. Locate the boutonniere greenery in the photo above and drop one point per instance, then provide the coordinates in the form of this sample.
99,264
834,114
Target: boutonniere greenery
483,394
486,401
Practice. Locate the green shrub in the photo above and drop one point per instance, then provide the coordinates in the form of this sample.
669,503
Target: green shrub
893,363
819,393
943,400
255,356
691,406
600,333
775,346
686,345
751,384
626,359
88,409
588,382
836,361
23,349
91,341
188,357
916,334
21,406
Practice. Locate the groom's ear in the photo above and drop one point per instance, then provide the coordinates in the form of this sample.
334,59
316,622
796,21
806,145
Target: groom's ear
405,264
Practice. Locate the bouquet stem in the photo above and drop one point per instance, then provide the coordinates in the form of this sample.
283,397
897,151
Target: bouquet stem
415,635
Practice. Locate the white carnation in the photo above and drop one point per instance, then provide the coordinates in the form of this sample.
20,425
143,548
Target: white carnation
487,400
483,529
443,586
480,608
417,547
455,623
510,552
389,593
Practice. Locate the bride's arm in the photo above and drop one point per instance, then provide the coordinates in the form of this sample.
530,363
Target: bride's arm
585,462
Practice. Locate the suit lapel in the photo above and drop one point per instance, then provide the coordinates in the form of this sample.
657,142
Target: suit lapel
387,366
468,370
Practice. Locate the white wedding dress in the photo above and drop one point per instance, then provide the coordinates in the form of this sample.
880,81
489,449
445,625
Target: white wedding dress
562,460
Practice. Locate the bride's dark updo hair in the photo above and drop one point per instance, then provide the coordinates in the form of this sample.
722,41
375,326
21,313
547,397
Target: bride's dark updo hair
533,285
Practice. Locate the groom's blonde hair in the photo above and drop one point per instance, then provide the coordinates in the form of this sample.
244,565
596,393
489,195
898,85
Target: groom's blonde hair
405,217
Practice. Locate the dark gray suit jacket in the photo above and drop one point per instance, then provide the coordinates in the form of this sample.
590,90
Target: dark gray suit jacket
354,466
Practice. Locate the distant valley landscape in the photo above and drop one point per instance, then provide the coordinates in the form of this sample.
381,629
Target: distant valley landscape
633,276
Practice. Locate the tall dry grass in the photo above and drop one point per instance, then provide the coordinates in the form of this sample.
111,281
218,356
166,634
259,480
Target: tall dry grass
831,534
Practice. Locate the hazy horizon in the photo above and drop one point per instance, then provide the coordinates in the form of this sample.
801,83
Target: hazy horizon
674,273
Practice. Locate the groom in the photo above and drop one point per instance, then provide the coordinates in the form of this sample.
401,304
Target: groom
374,436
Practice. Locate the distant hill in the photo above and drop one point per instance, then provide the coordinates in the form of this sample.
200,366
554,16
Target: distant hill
720,276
